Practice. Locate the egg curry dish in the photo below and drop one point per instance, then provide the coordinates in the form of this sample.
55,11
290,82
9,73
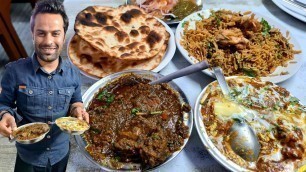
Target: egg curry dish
278,119
72,124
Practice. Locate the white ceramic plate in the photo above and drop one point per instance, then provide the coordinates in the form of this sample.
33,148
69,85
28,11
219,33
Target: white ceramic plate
292,68
166,59
293,10
209,145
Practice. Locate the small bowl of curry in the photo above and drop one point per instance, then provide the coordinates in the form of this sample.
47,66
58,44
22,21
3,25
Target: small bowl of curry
72,125
31,133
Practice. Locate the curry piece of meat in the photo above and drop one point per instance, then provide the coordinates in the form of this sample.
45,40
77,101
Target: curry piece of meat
143,140
232,37
32,132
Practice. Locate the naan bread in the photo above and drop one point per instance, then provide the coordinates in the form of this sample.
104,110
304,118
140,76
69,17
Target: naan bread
126,32
98,64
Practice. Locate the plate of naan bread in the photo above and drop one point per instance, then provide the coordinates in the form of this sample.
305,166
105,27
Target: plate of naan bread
109,40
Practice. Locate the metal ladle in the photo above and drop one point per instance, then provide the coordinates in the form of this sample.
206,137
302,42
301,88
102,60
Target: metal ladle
182,72
243,139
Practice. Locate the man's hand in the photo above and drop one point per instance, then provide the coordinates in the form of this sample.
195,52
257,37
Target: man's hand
7,125
79,112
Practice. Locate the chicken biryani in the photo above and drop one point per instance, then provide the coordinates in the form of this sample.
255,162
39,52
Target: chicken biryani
239,43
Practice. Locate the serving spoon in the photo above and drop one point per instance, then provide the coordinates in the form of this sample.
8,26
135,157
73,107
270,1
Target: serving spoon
182,72
242,138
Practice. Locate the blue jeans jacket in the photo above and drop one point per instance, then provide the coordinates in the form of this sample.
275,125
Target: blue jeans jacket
39,96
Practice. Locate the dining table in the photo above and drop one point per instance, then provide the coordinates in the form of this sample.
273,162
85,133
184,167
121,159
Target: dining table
194,156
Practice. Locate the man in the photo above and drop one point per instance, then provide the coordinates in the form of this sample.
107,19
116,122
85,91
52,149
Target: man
43,88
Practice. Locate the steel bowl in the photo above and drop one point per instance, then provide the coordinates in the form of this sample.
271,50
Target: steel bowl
34,140
90,93
72,132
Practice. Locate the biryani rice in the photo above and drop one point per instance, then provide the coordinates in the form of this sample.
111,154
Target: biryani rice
239,43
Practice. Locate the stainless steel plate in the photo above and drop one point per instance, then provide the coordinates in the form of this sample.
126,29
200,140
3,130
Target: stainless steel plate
89,94
35,140
74,132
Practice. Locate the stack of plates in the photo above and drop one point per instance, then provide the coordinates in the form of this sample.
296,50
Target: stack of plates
296,8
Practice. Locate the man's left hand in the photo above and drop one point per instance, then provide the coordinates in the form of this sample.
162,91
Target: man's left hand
77,110
81,114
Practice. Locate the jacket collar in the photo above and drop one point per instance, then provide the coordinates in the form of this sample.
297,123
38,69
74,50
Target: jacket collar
37,66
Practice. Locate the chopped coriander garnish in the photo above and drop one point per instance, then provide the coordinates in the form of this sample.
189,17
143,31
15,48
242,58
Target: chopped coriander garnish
106,97
249,72
200,15
293,100
183,24
134,111
265,27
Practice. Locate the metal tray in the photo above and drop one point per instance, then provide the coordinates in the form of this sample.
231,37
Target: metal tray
89,94
171,21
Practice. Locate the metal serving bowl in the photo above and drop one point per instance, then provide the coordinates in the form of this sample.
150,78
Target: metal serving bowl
90,93
34,140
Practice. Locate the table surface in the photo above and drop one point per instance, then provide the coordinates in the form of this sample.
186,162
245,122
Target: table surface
194,157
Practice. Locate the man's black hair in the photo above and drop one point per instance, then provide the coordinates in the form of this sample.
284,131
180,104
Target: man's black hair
52,7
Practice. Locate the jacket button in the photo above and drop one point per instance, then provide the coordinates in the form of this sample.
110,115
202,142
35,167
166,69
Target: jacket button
48,149
49,107
48,136
50,92
30,92
49,77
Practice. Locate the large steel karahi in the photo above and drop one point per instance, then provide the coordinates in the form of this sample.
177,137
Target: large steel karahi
134,123
277,117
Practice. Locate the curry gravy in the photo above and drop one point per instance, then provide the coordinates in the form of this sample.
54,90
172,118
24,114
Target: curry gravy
133,121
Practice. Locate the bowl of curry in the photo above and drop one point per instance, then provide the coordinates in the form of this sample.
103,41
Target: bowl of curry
135,125
31,133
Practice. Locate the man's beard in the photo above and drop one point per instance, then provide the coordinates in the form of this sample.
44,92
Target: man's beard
47,57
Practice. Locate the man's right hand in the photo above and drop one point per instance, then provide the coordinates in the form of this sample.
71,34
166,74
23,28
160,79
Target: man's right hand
7,125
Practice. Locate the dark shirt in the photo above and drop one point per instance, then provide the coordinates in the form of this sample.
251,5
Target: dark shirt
40,97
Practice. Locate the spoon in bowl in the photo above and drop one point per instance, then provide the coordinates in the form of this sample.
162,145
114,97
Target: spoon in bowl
243,139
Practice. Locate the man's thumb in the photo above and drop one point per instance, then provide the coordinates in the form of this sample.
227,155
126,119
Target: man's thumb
12,124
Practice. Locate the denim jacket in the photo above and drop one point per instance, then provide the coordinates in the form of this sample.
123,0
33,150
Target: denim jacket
31,94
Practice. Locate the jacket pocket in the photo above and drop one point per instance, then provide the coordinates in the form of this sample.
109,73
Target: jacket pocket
64,97
31,100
